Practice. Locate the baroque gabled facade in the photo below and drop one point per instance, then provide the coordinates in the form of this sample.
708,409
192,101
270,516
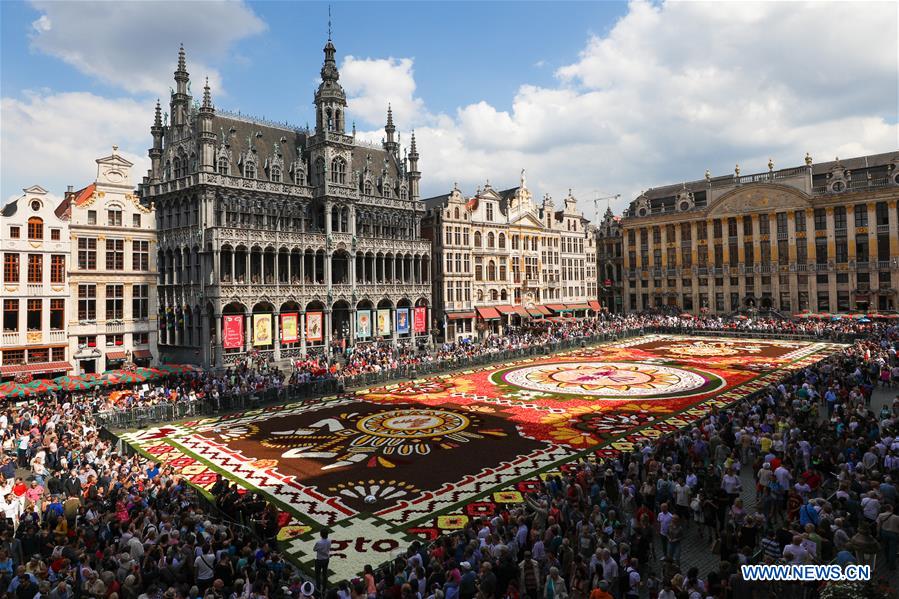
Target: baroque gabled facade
275,239
500,258
112,273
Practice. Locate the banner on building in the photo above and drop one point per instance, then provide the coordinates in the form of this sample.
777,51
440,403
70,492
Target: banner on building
232,331
384,322
420,320
262,329
363,324
402,320
315,327
290,328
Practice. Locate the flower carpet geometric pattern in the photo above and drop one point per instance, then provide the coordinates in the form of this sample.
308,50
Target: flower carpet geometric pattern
420,458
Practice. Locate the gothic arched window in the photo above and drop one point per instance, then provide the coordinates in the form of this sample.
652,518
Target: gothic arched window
249,170
338,170
223,166
276,174
502,241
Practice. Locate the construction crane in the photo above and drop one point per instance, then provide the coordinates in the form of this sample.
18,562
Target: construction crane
597,199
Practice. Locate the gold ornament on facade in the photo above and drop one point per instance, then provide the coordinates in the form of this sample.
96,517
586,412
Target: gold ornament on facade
808,159
770,165
737,170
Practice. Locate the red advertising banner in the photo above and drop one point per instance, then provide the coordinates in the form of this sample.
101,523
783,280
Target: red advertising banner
420,320
290,327
232,331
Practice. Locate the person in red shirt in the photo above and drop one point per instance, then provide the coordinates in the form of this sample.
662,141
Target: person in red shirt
19,488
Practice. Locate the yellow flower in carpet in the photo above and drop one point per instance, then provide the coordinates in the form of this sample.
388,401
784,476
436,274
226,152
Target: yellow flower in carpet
481,409
193,469
452,522
264,464
508,497
568,414
650,433
645,407
168,457
623,445
571,436
292,532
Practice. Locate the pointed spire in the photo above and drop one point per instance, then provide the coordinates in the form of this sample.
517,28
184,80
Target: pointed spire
389,115
182,66
413,149
157,119
207,97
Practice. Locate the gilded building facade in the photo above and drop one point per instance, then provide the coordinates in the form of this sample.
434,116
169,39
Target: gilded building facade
276,240
820,237
502,259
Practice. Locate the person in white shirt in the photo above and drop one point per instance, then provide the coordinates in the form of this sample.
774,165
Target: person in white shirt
795,552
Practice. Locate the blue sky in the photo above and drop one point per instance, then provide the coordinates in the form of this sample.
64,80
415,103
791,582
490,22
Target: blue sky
595,96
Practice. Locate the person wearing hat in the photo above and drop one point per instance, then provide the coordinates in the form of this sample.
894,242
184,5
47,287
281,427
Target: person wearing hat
468,586
307,590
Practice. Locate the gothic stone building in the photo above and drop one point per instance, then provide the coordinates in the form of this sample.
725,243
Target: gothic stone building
274,240
821,237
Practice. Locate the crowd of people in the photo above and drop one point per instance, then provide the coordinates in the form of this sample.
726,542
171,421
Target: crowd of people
82,518
824,470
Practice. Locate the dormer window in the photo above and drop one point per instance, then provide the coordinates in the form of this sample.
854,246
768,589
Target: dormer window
276,174
223,166
367,188
249,170
404,194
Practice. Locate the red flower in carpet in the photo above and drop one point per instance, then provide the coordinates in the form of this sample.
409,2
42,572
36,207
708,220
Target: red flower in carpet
203,479
611,424
480,509
182,462
424,387
528,486
427,533
607,453
157,434
160,449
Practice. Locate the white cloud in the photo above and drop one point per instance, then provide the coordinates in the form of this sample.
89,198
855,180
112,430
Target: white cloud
134,45
671,90
52,139
373,83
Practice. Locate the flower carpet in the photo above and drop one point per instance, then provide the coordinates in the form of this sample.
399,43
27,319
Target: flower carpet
386,465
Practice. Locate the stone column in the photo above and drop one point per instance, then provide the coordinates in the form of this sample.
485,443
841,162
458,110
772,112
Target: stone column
327,319
248,334
301,325
352,339
276,334
217,346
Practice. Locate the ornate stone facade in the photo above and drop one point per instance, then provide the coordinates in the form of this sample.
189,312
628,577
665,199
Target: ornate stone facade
258,220
499,257
820,237
609,262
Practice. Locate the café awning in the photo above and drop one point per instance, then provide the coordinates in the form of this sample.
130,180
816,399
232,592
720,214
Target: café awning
488,313
42,367
459,315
